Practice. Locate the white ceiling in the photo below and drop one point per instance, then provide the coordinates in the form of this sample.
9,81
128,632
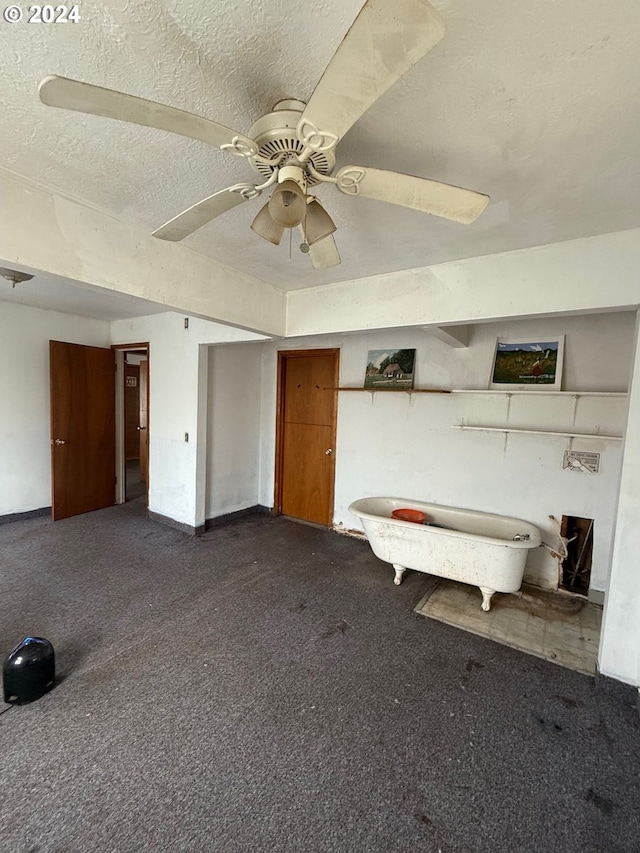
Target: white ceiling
53,293
535,104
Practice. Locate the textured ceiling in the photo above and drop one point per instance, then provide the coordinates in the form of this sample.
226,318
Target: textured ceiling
534,104
52,293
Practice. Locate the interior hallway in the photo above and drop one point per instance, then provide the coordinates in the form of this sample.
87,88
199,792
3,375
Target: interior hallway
135,487
266,687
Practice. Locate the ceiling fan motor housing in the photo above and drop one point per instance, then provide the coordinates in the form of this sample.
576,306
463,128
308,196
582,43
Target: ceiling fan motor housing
275,135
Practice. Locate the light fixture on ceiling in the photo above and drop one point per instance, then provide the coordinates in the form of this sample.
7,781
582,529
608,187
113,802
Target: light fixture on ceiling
295,143
288,202
318,224
15,276
264,225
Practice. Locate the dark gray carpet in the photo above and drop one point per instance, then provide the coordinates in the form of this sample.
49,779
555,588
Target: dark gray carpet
266,687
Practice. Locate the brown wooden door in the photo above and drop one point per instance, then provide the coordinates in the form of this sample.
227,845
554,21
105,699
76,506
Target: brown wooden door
82,381
307,429
143,420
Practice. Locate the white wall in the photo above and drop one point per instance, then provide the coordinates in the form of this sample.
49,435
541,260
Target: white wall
177,405
620,640
233,428
25,450
405,445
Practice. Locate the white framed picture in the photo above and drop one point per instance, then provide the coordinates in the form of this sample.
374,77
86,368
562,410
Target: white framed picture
528,364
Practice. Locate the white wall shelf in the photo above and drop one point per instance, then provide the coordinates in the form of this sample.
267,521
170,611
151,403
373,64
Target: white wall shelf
538,393
575,395
538,432
618,394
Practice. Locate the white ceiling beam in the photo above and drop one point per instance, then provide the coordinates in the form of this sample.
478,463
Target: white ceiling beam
42,230
592,274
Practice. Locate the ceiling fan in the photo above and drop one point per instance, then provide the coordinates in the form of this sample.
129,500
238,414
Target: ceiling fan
292,148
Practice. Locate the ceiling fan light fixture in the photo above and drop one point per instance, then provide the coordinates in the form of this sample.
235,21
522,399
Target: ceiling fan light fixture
288,204
294,144
318,224
265,227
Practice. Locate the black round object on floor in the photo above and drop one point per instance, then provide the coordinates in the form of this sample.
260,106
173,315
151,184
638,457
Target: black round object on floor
29,670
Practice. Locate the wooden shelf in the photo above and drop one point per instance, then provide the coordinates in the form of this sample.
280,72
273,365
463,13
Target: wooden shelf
538,432
395,390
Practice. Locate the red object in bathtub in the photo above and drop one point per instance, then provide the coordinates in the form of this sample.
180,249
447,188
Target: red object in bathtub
415,515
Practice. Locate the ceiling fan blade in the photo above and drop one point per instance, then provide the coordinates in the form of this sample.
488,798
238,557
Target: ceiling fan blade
384,41
433,197
204,211
86,98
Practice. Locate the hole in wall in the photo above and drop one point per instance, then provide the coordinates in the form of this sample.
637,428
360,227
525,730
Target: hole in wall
576,568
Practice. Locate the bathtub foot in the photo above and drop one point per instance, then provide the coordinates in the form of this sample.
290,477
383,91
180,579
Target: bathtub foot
400,570
486,597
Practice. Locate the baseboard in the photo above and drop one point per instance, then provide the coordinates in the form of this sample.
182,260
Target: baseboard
219,520
627,693
22,516
596,596
177,525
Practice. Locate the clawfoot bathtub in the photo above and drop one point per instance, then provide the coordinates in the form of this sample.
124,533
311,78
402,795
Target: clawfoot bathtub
479,548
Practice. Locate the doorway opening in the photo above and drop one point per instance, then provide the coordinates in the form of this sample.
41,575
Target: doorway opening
576,568
132,422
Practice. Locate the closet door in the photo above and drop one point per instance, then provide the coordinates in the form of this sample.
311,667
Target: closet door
307,430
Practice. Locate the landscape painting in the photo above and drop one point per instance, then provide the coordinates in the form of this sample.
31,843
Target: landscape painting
390,368
528,364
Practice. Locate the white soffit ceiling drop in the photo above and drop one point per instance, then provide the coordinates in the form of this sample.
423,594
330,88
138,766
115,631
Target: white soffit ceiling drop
52,293
533,104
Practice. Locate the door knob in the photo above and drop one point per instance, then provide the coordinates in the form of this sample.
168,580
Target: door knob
60,441
139,428
328,452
